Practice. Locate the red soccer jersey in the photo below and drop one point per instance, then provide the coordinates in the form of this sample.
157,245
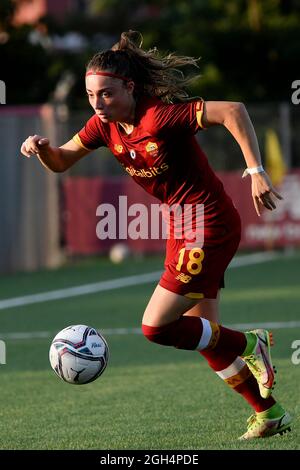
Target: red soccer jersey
162,154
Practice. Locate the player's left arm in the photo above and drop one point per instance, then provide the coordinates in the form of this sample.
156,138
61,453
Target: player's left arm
235,118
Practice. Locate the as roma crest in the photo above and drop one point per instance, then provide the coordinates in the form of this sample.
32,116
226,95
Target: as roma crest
152,149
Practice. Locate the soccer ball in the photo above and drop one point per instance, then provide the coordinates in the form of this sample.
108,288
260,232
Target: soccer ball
119,252
78,354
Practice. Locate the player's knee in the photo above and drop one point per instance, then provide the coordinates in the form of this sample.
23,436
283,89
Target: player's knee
184,333
157,334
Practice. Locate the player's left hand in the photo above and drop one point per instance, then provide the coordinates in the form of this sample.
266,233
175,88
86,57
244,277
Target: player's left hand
263,192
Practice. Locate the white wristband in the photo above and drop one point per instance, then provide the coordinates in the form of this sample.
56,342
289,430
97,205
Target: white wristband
252,171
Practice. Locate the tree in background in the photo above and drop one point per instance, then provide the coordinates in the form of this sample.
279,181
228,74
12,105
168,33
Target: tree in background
249,49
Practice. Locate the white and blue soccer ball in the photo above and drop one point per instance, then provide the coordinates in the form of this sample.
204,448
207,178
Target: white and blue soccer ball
78,354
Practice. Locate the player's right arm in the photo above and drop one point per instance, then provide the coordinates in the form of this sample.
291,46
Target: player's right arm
57,159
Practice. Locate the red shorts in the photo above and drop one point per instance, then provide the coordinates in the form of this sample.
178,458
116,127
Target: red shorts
199,272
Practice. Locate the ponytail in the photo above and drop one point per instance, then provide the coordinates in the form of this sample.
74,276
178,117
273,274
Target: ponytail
152,73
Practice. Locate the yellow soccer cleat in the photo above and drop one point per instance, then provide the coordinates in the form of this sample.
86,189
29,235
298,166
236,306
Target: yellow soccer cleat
260,362
259,425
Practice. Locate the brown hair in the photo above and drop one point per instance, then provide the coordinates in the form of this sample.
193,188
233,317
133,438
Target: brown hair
153,74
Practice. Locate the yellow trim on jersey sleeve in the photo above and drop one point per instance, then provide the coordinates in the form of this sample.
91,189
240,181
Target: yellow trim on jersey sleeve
77,141
199,113
194,295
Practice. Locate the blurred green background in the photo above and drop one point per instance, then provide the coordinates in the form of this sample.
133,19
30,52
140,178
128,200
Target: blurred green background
249,49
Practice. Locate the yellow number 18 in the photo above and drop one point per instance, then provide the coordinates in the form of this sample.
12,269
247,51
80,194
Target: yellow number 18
194,265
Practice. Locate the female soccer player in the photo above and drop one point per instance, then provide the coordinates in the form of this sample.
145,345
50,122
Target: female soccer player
143,114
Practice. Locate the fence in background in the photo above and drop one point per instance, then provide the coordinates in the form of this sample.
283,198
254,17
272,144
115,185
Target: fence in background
29,214
82,196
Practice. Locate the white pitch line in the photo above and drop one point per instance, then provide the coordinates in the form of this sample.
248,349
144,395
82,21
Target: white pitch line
138,331
102,286
253,258
80,290
278,325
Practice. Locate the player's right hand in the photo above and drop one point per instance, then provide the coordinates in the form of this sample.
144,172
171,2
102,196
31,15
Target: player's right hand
33,145
263,192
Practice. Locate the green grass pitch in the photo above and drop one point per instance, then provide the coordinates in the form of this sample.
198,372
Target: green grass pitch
149,397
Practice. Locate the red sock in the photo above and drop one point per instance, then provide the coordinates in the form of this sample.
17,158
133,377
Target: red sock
241,380
230,342
184,333
250,391
222,348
